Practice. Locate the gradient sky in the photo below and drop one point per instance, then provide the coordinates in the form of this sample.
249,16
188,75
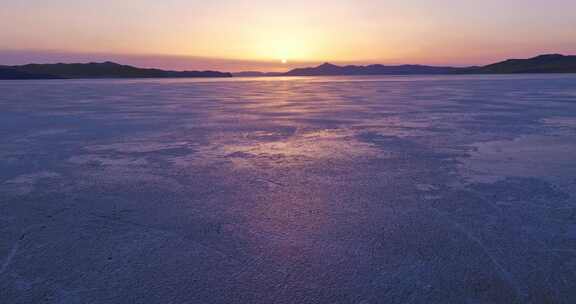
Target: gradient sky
256,34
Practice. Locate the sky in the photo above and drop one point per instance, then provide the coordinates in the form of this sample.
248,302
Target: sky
236,35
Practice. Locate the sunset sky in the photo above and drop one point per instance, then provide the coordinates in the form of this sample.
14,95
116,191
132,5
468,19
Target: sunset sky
238,35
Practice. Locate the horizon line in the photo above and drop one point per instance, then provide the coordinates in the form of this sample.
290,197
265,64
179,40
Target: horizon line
14,57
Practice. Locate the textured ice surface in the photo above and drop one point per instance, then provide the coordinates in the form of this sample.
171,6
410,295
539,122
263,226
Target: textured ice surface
289,190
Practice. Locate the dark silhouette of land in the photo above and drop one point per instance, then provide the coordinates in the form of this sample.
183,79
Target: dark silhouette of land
551,63
95,70
328,69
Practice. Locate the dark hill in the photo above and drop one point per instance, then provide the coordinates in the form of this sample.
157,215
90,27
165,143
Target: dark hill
328,69
553,63
106,70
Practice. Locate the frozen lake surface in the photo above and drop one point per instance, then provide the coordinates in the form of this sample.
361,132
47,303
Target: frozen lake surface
439,189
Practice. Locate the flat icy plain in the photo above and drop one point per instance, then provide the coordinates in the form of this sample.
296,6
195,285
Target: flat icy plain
436,189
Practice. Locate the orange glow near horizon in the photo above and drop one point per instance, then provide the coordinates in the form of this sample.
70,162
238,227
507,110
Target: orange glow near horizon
264,31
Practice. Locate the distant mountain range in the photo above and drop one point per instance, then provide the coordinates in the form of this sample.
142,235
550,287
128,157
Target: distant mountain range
328,69
95,70
552,63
